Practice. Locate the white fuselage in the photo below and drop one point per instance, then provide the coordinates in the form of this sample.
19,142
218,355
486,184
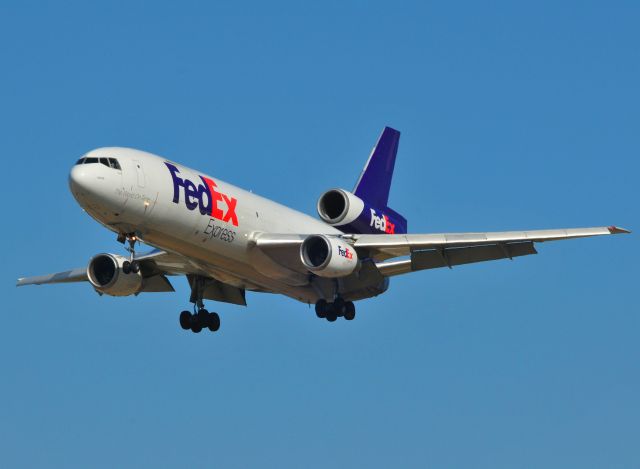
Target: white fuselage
168,206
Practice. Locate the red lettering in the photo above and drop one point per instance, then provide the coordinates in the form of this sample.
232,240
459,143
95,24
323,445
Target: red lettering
231,210
390,228
215,198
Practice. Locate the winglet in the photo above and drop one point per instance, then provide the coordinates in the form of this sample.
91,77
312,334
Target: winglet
617,230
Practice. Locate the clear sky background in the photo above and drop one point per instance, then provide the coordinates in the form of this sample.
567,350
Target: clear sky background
514,115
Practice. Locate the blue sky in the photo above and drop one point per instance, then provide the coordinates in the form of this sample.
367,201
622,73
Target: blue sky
513,116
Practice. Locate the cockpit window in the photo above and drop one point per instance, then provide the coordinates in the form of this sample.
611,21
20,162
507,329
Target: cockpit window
108,162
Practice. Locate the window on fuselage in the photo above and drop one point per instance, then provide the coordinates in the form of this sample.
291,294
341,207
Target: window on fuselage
108,162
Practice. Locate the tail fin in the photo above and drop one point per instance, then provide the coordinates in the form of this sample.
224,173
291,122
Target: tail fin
375,180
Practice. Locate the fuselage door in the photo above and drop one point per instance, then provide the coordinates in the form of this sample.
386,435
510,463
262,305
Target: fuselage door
139,173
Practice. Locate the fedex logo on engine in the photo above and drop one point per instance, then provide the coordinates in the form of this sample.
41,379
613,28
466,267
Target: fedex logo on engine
346,253
382,223
216,204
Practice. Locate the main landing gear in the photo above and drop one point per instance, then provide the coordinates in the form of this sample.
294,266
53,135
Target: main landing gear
200,318
332,311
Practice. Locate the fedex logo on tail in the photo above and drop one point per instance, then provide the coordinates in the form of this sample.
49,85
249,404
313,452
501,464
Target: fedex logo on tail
216,204
346,252
382,223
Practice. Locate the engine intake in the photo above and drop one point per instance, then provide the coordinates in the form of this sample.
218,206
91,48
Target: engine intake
106,274
350,214
339,207
328,256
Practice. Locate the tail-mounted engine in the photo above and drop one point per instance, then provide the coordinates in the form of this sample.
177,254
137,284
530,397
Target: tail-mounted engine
106,274
350,214
327,256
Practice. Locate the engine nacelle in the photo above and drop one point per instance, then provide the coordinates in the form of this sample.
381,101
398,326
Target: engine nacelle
339,207
350,214
327,256
106,274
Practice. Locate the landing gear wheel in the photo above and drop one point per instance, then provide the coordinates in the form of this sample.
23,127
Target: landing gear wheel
339,307
185,320
321,308
213,322
196,324
350,311
126,267
135,267
331,312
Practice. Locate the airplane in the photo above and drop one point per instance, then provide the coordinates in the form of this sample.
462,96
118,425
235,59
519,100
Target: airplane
228,241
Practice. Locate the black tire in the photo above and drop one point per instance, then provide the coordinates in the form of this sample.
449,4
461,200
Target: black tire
213,322
350,311
339,306
196,324
331,317
321,308
185,320
135,267
126,267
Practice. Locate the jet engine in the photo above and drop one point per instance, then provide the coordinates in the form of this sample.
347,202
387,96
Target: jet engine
339,207
327,256
107,275
350,214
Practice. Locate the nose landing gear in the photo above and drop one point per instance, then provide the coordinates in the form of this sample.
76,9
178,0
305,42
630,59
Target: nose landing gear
131,265
332,311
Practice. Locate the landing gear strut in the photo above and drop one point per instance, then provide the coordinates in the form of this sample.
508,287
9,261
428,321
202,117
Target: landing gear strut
332,311
131,265
200,318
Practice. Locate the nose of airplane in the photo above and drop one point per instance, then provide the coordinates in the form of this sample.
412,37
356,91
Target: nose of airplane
79,180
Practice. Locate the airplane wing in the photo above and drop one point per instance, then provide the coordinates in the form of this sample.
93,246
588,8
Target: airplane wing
153,263
155,266
68,276
428,251
449,249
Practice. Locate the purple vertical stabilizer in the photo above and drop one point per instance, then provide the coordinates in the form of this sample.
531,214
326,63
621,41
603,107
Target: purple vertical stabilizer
365,210
375,181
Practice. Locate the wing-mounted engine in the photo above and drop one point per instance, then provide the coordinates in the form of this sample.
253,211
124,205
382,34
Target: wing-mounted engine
350,214
327,256
106,274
